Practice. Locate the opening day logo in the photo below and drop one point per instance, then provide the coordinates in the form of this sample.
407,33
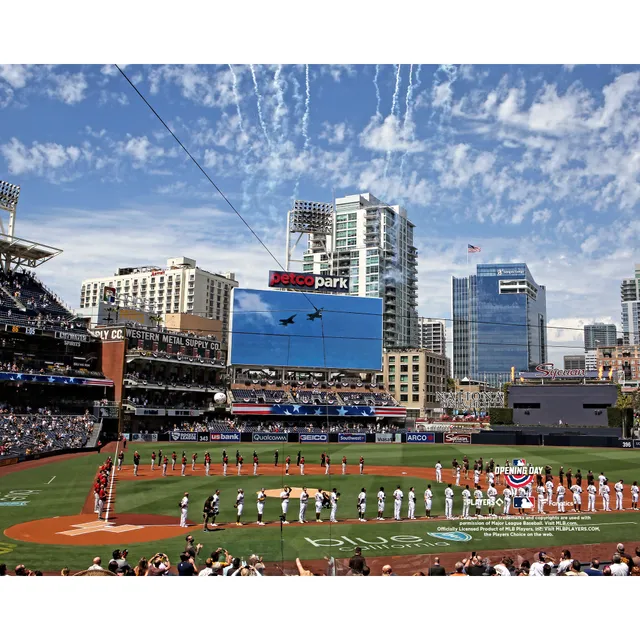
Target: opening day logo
519,474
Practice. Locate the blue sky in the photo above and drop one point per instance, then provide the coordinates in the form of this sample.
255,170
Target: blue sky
349,336
537,164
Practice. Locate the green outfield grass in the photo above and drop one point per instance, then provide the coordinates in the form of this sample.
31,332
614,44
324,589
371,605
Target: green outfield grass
66,493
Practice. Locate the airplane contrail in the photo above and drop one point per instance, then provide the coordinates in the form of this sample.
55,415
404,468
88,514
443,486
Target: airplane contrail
280,109
305,118
407,118
375,84
394,101
259,100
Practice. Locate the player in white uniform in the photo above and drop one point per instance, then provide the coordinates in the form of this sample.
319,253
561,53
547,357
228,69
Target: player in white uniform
476,476
184,508
448,503
239,506
549,487
411,514
381,497
477,494
334,504
215,507
207,464
606,490
529,490
492,492
458,476
428,500
591,498
362,504
285,496
577,497
397,503
319,498
507,494
262,498
634,495
619,487
601,480
466,501
327,466
541,498
560,497
522,493
491,478
438,471
304,498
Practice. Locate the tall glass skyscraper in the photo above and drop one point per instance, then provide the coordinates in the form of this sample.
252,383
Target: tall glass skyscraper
499,321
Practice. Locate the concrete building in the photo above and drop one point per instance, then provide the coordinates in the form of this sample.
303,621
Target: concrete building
433,335
590,359
372,243
624,360
599,335
413,377
574,362
630,300
180,287
499,321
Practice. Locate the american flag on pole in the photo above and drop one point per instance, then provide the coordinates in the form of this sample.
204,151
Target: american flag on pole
472,249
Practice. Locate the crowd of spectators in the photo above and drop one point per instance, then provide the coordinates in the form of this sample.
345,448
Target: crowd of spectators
178,357
171,399
170,379
22,365
42,431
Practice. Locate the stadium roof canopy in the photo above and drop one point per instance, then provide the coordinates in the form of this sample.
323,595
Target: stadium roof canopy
18,252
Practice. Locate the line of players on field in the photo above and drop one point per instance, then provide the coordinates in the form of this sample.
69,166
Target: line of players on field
163,462
544,489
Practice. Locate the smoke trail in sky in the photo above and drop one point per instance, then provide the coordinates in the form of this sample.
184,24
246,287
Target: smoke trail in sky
236,97
305,118
375,84
394,101
280,108
407,118
259,100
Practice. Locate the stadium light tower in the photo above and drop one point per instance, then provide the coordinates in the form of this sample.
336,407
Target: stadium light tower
9,194
309,218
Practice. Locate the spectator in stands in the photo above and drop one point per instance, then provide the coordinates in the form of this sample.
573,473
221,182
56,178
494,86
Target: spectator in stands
594,569
357,562
618,568
97,561
576,569
458,571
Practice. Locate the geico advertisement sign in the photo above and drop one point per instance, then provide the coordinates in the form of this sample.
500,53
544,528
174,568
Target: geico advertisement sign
378,543
314,437
269,437
428,438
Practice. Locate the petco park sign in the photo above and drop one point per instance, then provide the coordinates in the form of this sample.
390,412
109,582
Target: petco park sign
466,400
307,282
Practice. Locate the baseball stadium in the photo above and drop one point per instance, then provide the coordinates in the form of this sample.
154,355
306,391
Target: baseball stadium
133,449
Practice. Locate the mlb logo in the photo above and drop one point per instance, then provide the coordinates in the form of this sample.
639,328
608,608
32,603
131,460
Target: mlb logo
519,462
523,502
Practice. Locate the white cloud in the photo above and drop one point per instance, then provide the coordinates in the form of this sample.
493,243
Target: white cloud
15,74
140,150
335,133
460,164
390,135
542,216
38,158
69,88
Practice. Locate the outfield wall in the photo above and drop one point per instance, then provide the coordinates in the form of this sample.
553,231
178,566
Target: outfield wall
506,438
11,460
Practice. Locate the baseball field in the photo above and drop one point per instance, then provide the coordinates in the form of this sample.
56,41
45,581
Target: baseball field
47,514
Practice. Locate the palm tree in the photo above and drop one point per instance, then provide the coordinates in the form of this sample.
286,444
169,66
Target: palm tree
156,319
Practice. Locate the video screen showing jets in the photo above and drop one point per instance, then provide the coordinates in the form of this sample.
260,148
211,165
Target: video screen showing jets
307,330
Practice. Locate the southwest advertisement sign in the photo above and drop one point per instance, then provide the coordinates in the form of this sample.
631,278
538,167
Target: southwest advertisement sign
269,437
457,438
424,438
308,282
352,437
314,437
225,437
183,436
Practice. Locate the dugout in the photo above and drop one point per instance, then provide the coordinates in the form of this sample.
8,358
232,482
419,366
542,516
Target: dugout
577,404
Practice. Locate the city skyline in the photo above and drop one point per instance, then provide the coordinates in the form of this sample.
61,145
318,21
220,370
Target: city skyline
482,155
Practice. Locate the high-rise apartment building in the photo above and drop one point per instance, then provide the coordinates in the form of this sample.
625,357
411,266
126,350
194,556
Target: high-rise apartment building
499,322
372,243
180,287
630,299
433,335
574,362
599,335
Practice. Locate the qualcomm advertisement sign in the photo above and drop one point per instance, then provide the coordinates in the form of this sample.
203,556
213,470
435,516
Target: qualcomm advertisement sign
225,437
269,437
352,437
314,437
429,438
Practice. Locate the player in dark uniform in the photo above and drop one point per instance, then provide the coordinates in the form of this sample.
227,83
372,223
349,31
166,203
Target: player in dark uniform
561,475
136,463
298,459
590,477
579,478
539,479
224,454
275,458
569,474
120,460
174,457
207,510
322,457
465,466
237,456
159,456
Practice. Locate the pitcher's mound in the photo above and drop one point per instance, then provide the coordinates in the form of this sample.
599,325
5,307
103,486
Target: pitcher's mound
295,492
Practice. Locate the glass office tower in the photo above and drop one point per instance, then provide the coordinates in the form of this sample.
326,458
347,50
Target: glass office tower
499,322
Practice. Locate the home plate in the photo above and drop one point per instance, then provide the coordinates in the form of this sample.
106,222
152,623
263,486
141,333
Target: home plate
404,473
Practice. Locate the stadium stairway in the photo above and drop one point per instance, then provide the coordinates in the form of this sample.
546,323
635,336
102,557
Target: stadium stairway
95,434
